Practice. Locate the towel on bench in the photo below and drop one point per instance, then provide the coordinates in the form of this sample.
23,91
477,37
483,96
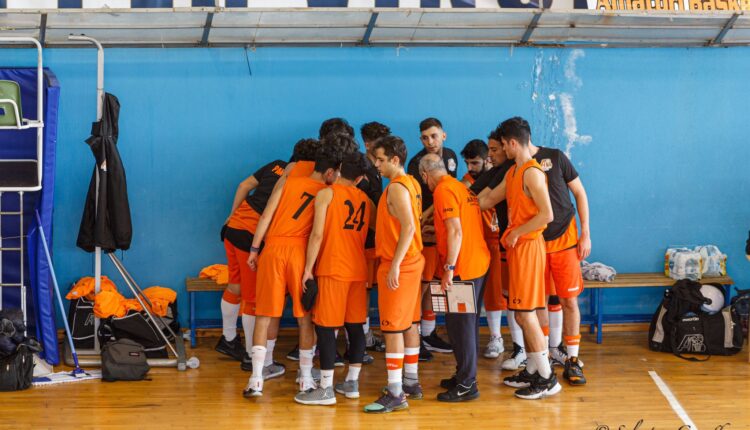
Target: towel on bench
597,272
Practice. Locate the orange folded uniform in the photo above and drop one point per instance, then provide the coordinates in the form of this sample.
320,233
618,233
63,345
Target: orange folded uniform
160,298
217,272
85,288
110,303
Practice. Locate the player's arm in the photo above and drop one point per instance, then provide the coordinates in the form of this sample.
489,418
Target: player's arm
373,214
535,182
454,237
399,204
243,189
322,201
488,198
582,203
264,221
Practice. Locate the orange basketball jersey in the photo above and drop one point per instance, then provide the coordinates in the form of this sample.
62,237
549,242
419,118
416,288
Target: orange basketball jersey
452,199
342,252
294,215
302,168
244,218
521,208
489,217
387,226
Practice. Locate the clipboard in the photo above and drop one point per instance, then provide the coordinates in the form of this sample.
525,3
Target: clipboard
460,298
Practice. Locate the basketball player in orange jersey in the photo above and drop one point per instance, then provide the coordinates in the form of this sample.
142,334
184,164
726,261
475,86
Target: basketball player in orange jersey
398,244
478,164
464,256
285,226
336,252
529,211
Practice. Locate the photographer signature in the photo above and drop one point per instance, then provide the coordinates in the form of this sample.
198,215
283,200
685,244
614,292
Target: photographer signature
638,425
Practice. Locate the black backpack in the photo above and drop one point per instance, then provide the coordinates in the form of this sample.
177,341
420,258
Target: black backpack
17,369
741,304
124,360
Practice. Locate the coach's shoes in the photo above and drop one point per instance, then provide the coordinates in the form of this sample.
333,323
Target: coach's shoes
449,383
350,389
413,392
540,388
559,355
387,403
424,354
460,393
233,348
253,389
494,348
433,342
573,372
521,379
516,360
373,342
316,396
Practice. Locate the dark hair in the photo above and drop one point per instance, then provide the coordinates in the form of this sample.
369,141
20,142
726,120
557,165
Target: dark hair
328,157
354,166
335,125
393,146
430,122
475,148
342,141
373,131
513,128
305,150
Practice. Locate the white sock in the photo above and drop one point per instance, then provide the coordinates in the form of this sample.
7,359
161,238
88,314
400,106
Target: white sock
555,328
270,345
395,376
516,333
411,368
326,378
353,373
305,363
229,314
546,340
427,326
335,333
366,325
542,364
248,326
493,321
531,364
259,355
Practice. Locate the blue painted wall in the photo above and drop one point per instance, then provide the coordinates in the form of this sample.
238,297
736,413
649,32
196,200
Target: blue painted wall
659,137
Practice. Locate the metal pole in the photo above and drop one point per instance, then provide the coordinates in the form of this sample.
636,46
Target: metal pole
20,257
99,104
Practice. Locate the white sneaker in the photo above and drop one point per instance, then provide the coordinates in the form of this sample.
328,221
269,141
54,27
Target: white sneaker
494,348
253,388
559,355
517,360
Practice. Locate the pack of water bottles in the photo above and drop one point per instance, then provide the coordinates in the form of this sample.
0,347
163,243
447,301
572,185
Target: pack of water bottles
694,262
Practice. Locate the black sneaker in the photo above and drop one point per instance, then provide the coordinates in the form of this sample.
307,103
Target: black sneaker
424,353
540,388
338,361
460,393
433,342
293,354
233,348
449,383
247,363
521,379
413,392
573,372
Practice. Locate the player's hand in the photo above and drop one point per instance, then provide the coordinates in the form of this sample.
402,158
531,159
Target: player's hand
305,277
252,261
447,280
392,280
511,239
584,246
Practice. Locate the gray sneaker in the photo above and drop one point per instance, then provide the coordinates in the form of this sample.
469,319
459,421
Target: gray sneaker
494,348
318,396
558,355
315,375
350,389
273,370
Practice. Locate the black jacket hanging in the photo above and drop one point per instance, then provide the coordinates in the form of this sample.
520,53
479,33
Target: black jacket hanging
112,228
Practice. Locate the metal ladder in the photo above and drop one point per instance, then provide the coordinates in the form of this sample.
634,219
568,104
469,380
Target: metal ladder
20,249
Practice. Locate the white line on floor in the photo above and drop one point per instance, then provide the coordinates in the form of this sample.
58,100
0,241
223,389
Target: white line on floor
676,406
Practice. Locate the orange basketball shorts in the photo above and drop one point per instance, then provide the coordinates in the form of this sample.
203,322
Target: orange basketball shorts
280,269
563,276
400,308
526,275
241,274
339,302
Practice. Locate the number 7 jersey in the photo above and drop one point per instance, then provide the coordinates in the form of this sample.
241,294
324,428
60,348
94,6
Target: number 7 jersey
342,251
294,214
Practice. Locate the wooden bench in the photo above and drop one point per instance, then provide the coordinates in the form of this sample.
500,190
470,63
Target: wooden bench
194,286
635,280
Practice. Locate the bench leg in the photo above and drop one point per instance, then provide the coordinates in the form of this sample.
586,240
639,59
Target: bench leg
592,310
191,298
599,315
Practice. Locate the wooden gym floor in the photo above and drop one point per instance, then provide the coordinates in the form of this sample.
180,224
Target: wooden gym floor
620,393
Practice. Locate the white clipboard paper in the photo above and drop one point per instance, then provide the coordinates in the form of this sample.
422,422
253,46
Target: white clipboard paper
459,299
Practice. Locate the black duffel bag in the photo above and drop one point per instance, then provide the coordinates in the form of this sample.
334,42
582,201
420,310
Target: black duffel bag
17,369
707,334
136,326
124,360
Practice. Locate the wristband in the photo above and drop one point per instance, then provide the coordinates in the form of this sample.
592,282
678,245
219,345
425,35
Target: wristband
254,249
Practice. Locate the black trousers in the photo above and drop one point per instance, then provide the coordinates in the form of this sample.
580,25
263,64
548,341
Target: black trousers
463,331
